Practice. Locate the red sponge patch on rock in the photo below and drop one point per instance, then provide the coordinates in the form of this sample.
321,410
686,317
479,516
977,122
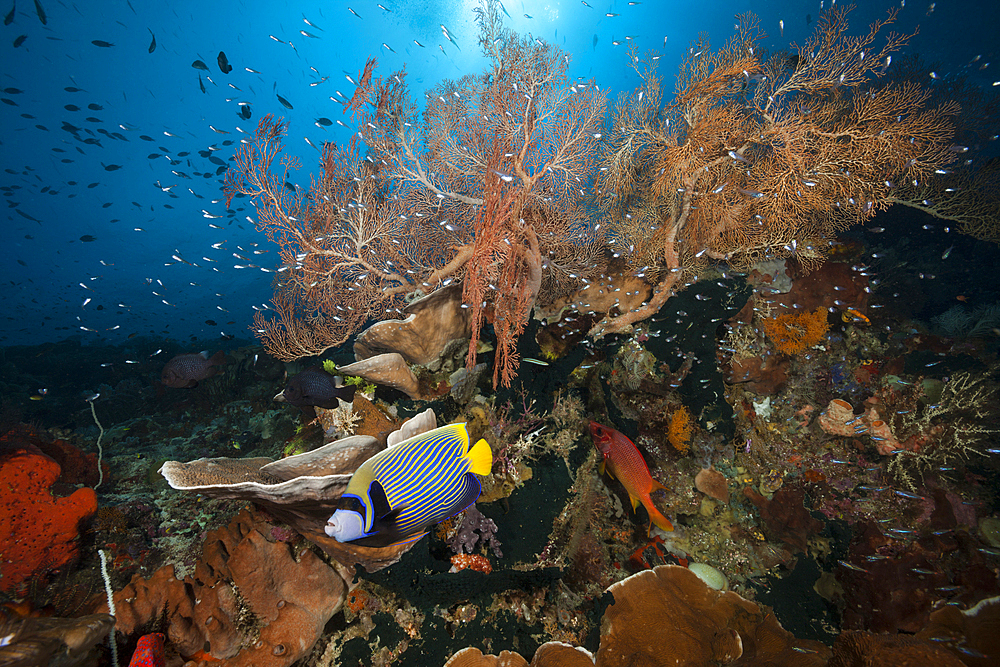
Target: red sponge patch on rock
38,532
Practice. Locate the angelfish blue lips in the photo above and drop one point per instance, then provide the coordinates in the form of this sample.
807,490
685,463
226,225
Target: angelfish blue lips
344,526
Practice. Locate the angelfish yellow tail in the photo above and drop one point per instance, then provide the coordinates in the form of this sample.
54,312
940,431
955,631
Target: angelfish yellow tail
481,458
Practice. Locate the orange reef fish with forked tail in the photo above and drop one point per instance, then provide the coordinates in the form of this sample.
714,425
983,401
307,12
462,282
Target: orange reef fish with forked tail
624,462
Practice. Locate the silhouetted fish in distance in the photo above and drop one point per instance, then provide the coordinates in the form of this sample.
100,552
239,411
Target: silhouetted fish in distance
314,387
223,61
187,370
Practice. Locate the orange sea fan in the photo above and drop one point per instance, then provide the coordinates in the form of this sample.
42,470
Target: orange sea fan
793,333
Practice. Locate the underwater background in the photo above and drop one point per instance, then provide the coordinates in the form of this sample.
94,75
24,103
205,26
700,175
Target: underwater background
817,400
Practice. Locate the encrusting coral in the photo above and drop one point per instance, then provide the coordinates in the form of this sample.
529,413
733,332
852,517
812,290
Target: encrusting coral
252,601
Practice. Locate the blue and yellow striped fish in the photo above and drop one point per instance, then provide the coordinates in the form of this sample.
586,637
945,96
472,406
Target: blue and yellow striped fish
409,487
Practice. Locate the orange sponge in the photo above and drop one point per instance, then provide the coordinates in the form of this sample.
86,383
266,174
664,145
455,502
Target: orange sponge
38,532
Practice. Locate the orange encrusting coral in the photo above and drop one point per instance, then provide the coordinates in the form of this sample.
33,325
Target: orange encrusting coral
472,562
679,433
38,532
794,333
356,600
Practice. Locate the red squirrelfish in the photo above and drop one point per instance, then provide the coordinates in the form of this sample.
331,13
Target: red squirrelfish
624,462
149,651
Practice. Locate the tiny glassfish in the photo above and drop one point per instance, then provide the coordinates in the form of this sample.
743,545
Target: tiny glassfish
852,566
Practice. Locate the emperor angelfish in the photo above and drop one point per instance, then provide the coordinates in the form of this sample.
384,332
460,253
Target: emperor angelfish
405,489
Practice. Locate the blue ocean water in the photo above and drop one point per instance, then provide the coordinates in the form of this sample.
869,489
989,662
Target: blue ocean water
107,142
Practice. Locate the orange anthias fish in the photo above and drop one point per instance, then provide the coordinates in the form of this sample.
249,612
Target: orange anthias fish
624,462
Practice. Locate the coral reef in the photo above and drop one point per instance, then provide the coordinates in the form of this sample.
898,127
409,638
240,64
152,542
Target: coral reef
785,517
840,467
668,615
302,490
491,233
55,642
251,601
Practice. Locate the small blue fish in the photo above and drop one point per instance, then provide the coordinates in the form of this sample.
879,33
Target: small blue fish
404,490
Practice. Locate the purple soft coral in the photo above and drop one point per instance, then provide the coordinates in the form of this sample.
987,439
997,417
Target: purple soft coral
474,526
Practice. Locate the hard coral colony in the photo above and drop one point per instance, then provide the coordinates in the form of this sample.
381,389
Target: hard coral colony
678,315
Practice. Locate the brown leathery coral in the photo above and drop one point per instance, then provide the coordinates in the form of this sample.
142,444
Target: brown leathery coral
712,483
670,607
251,601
